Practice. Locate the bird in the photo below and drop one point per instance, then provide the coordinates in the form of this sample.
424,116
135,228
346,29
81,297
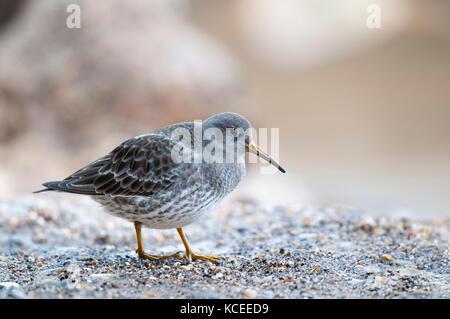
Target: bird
169,177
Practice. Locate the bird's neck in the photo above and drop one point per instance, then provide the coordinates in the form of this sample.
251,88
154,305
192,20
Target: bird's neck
224,177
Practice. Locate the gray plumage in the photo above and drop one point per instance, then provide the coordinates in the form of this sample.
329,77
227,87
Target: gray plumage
139,180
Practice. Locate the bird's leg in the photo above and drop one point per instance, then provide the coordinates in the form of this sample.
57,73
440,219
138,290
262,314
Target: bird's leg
140,249
191,255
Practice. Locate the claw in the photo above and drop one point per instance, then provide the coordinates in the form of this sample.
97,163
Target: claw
188,254
192,256
144,255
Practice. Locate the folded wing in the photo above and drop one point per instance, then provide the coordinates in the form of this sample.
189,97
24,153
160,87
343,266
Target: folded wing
139,166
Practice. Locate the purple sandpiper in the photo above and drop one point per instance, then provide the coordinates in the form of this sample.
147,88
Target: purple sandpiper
141,181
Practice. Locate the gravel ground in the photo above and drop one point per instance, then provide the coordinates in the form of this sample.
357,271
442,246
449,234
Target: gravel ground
59,246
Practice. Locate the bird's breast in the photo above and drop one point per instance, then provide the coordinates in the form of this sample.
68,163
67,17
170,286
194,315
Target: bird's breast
224,177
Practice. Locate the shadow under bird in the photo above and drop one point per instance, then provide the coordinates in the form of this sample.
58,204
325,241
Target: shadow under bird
141,182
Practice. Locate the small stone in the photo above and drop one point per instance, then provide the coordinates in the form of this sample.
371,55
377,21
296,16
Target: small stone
355,281
101,276
17,293
381,280
9,284
249,293
217,276
387,257
372,269
11,290
187,267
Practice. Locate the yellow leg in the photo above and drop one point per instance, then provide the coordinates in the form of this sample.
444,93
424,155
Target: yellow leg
191,255
140,249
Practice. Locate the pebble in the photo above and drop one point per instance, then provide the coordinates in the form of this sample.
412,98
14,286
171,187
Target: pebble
409,272
387,257
381,280
217,276
188,267
372,269
101,276
8,285
337,255
11,290
249,293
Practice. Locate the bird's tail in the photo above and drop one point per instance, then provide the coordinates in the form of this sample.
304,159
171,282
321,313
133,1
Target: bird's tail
43,190
50,186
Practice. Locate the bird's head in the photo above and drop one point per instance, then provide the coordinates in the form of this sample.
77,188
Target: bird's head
236,134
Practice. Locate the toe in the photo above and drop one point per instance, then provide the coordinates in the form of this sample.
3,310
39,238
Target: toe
212,259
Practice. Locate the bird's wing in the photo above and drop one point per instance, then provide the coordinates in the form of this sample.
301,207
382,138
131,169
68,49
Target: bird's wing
139,166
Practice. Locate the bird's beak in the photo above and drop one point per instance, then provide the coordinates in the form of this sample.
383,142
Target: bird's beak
255,149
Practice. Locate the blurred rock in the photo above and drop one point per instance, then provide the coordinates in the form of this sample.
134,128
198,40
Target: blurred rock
9,9
131,64
11,290
13,119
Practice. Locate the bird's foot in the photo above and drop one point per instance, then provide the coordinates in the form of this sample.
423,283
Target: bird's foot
144,255
192,256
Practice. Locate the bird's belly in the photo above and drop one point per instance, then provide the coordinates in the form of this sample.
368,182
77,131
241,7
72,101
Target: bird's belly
160,212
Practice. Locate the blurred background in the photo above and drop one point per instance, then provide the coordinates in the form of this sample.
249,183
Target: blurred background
363,114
